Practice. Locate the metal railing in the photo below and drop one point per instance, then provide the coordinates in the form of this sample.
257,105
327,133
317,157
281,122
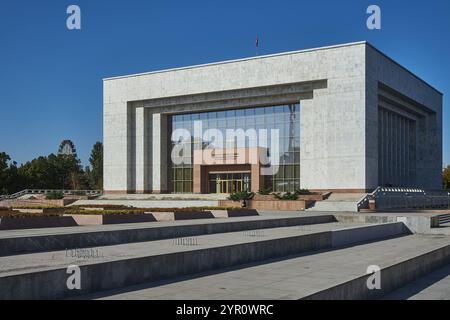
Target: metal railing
406,198
47,191
444,219
364,202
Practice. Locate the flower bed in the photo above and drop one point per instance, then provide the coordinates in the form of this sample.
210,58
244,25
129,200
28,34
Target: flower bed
76,216
17,214
10,220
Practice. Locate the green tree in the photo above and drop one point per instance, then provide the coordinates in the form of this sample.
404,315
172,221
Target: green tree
53,172
4,160
96,170
10,180
446,177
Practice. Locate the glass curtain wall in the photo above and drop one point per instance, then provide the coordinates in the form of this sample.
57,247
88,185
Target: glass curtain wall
285,118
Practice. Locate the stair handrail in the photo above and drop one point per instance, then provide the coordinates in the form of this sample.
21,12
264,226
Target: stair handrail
370,196
46,191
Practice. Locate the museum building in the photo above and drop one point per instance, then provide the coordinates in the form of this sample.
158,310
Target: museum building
344,118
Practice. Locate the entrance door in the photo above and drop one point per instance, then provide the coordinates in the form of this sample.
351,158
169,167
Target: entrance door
229,182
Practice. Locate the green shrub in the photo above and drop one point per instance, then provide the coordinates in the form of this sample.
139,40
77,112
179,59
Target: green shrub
286,196
304,192
265,192
17,214
240,196
54,195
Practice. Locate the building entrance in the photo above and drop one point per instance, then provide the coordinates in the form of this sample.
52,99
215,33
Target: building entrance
231,182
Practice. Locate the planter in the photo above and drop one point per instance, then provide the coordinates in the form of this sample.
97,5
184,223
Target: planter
234,213
98,219
272,205
127,218
87,219
280,205
190,215
265,197
36,222
163,216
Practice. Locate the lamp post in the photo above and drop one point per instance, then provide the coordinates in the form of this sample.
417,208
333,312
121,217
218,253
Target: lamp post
424,200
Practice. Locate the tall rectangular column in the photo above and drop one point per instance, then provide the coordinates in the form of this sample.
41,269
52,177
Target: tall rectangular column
160,145
142,168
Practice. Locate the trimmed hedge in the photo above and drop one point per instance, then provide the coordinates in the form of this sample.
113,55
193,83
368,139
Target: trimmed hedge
104,212
8,212
17,214
142,210
36,207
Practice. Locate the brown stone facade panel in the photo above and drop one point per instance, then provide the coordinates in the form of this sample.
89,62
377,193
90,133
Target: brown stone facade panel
276,205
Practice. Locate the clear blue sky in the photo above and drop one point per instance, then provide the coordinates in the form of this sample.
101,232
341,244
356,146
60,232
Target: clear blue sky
51,78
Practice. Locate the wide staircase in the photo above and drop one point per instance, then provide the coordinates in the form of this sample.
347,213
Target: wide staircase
342,202
296,257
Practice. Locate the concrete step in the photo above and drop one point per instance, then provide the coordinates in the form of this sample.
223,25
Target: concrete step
335,274
433,286
339,202
44,275
334,206
39,240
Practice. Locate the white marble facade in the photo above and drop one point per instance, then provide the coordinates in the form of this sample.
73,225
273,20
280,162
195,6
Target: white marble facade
340,89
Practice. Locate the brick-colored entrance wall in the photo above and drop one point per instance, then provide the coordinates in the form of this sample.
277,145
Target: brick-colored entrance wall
221,160
201,175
